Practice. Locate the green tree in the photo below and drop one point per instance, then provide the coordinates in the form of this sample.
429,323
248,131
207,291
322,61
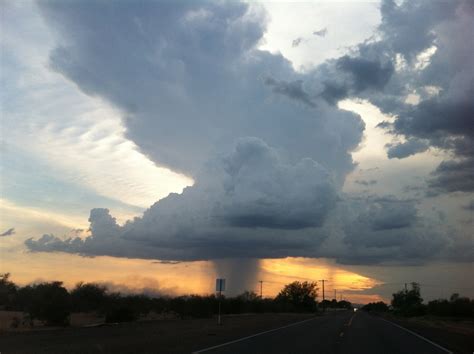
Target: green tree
88,297
248,296
7,291
301,296
49,302
376,307
408,302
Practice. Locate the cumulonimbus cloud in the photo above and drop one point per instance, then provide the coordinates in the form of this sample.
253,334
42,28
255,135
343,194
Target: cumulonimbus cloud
267,146
245,199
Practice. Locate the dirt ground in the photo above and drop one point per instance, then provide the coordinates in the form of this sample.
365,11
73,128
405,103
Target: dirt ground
160,336
14,321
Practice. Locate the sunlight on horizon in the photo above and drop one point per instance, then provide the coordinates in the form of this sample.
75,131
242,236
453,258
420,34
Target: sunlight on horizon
170,278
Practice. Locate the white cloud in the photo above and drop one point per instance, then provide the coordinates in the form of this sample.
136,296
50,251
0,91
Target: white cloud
299,19
81,138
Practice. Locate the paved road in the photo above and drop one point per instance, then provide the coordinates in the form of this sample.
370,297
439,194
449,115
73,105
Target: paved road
336,333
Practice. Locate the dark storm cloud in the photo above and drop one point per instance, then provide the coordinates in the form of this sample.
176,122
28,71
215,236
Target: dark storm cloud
446,120
408,148
453,176
408,28
9,232
390,216
357,75
366,74
389,229
333,92
431,43
293,90
433,117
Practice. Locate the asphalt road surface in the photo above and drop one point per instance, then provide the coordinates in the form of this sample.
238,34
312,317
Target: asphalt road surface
338,333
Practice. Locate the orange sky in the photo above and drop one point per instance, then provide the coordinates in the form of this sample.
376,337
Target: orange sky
184,277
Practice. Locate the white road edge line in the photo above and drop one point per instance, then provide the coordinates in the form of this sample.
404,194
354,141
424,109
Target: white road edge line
253,335
419,336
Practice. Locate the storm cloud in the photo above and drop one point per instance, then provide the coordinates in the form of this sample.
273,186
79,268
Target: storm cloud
293,90
388,228
198,84
453,176
423,49
237,205
408,148
267,146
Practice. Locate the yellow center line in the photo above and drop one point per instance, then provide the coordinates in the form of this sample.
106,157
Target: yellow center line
348,324
350,321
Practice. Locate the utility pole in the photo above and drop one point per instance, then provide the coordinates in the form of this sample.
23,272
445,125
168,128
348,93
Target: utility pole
323,280
261,289
220,287
335,296
219,314
406,290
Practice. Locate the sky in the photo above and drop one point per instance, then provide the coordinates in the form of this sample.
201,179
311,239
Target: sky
156,145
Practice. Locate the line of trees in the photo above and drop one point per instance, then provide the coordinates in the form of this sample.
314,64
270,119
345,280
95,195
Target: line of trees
52,303
408,303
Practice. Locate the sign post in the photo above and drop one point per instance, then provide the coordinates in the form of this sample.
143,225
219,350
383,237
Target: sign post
220,287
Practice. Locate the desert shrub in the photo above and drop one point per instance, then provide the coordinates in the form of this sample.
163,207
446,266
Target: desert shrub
376,307
457,306
194,306
48,302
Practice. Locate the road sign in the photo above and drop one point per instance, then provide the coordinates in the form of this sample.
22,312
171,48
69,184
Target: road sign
220,284
220,287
